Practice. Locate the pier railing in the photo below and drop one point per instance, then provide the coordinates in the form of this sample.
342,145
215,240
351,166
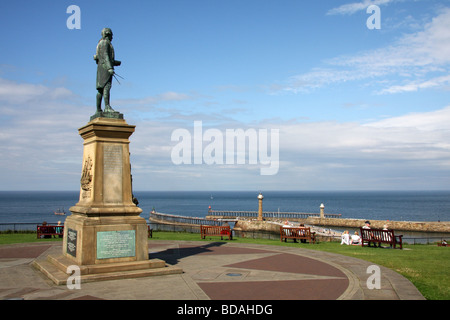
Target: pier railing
157,216
272,215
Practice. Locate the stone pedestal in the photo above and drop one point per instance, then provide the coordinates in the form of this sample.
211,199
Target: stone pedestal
105,225
105,231
101,240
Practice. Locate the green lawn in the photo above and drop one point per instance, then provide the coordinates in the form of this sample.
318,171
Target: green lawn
10,238
426,266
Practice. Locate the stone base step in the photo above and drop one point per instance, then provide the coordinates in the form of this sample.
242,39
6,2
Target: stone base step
55,267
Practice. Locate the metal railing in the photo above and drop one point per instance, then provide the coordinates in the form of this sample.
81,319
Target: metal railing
17,227
181,224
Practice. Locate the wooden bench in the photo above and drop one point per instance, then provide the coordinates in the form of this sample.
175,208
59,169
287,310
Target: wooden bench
47,231
217,231
380,236
297,233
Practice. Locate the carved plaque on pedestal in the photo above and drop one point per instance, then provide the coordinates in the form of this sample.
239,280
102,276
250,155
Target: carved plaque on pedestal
112,173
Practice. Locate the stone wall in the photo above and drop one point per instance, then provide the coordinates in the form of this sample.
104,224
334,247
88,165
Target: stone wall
395,225
254,225
262,229
438,227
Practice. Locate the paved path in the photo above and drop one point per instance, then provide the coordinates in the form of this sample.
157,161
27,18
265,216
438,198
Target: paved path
213,271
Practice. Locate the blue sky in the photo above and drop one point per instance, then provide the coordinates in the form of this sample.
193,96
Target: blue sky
357,109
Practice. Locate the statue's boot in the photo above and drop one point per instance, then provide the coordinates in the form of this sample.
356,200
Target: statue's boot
99,102
107,106
109,109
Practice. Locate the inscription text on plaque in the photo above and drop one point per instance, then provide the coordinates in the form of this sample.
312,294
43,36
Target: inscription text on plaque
72,242
116,244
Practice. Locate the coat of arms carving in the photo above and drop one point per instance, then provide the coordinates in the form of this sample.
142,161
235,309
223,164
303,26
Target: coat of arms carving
86,176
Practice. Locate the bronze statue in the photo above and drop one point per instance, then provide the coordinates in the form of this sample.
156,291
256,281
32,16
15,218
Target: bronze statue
106,62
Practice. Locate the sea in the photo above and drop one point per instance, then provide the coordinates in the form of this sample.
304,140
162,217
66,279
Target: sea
39,206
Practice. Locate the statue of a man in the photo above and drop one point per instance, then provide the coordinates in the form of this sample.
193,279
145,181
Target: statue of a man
105,69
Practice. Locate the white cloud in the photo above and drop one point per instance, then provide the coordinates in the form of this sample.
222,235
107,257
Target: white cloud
351,8
41,149
413,86
18,93
437,121
381,154
38,136
389,138
416,61
412,143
